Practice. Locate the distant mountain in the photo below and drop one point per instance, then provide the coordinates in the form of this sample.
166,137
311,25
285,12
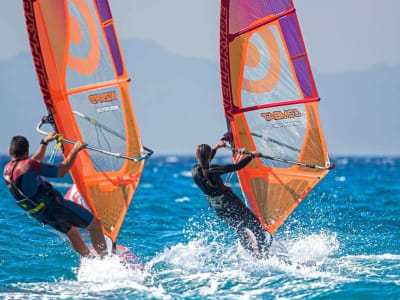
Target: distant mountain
22,104
177,101
359,111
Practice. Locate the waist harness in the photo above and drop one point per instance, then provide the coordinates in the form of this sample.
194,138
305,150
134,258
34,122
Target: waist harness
34,206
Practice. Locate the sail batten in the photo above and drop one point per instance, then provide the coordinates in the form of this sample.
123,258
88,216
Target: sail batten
264,22
245,109
96,86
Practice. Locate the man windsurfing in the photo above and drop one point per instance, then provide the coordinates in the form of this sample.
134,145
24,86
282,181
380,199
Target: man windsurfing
23,176
227,205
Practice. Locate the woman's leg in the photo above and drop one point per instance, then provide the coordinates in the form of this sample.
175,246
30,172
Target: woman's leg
252,235
258,238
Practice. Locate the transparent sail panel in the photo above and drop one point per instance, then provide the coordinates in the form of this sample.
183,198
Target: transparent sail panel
278,132
89,61
99,116
267,74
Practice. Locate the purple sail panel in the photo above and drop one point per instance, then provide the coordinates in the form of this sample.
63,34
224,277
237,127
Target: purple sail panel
244,13
116,54
278,6
104,10
292,36
303,75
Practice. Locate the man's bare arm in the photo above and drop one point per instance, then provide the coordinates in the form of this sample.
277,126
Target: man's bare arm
41,152
65,166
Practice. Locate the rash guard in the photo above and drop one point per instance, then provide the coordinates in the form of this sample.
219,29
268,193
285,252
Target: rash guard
31,171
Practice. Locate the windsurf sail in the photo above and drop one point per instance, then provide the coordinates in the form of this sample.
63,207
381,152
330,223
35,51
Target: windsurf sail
85,86
271,105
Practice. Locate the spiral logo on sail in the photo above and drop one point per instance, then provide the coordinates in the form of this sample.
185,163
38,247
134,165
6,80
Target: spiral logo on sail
262,63
80,43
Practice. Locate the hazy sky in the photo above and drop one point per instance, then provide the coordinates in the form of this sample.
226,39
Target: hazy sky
340,35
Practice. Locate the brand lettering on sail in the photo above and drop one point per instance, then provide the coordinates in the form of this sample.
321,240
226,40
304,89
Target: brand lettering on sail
37,51
280,115
224,63
103,97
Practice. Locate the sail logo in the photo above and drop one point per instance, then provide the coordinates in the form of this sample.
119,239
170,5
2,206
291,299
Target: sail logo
280,115
103,97
84,52
262,50
224,63
37,52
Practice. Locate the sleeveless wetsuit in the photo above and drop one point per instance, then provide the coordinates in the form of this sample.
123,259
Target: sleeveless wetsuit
230,208
38,198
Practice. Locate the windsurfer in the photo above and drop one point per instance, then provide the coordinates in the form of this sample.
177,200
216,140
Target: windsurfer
227,205
41,201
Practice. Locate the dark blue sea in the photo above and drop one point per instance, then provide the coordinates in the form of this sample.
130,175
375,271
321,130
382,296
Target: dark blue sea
342,242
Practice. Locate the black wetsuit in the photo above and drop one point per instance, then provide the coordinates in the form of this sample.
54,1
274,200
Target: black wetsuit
230,208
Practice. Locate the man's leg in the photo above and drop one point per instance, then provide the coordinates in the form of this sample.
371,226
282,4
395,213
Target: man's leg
77,242
78,216
97,237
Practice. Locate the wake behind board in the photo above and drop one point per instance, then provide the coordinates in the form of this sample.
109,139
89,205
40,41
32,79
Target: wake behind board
128,258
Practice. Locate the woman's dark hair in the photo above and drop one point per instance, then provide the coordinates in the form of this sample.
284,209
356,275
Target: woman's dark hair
19,146
203,154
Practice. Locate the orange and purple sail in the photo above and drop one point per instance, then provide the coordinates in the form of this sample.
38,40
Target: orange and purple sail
271,105
85,86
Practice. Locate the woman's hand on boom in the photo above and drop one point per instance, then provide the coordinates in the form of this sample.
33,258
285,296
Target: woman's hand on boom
220,144
255,154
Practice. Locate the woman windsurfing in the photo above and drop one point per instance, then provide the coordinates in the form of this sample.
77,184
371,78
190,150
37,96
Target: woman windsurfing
228,206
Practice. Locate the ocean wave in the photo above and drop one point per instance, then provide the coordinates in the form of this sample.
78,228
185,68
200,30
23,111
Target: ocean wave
183,199
172,159
186,174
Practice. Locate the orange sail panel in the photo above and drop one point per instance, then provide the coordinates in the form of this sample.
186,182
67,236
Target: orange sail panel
85,87
270,102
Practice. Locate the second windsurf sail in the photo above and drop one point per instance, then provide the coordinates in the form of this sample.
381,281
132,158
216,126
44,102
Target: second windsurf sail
270,102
